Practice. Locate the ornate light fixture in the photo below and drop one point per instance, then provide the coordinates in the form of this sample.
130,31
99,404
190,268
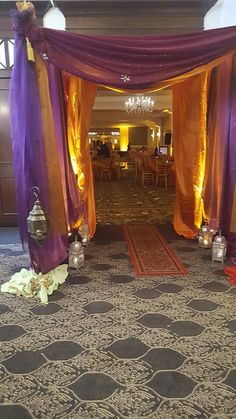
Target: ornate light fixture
219,248
139,104
76,254
205,237
37,222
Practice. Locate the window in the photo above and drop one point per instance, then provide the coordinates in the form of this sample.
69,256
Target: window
6,53
3,61
10,44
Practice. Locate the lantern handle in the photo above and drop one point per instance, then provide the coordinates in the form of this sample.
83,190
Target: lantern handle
36,194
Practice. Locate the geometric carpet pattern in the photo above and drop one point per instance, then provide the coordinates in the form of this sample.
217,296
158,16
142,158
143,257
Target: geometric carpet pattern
125,202
112,344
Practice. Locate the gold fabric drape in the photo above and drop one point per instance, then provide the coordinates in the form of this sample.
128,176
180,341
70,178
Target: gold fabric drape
217,135
189,128
81,95
56,198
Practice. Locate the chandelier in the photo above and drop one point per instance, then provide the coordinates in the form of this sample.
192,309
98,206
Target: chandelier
139,104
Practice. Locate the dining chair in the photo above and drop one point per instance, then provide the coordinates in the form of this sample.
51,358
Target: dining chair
162,174
106,170
142,173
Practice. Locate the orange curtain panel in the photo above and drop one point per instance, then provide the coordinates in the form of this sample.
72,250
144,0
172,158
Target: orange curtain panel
56,197
189,128
81,95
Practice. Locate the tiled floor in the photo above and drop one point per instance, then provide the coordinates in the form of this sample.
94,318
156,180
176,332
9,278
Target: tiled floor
111,344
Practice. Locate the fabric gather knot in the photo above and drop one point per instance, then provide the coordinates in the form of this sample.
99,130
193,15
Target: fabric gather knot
23,18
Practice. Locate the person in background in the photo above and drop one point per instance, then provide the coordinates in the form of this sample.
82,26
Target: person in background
105,152
98,148
109,145
129,147
156,152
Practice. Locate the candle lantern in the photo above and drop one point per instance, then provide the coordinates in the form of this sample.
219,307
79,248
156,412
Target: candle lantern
37,223
84,233
205,237
76,254
219,248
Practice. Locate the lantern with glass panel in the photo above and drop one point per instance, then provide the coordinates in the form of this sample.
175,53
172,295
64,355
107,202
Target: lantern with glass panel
76,254
205,237
219,248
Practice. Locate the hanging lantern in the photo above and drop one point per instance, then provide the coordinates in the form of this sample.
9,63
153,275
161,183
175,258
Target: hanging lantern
76,254
205,237
219,248
37,222
84,233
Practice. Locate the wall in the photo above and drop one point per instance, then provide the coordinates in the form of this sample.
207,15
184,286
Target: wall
138,136
166,126
7,181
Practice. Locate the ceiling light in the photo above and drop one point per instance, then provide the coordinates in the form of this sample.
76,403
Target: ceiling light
139,104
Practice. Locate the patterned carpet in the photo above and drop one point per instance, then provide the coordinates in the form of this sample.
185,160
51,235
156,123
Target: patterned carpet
111,344
124,202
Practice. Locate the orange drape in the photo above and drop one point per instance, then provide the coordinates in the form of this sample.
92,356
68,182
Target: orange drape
217,135
81,95
189,129
56,198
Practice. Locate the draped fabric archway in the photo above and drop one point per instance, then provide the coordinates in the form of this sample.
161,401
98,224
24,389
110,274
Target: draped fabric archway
51,104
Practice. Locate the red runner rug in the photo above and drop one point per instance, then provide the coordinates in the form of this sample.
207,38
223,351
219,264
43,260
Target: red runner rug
150,253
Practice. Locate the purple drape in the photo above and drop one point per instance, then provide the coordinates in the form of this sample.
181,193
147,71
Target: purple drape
229,184
29,158
131,62
26,135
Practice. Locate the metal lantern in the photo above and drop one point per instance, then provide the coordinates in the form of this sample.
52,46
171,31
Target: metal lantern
37,223
84,233
219,248
76,254
205,237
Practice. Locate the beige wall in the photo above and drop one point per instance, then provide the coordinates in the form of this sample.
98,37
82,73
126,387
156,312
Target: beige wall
138,136
166,126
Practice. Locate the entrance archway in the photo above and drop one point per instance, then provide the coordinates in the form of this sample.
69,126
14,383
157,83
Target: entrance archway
195,64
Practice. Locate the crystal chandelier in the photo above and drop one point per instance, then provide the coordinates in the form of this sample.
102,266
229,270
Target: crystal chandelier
139,104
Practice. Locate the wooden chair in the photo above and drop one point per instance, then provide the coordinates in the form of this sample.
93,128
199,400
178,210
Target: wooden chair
102,168
142,173
162,174
106,170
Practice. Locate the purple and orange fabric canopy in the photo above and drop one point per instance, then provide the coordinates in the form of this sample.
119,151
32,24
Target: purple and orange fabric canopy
48,126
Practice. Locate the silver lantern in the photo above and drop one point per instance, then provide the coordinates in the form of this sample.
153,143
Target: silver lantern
76,254
205,237
37,223
84,233
219,248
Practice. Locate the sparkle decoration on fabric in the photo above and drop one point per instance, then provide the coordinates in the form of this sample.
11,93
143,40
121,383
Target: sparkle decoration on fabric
44,56
125,77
